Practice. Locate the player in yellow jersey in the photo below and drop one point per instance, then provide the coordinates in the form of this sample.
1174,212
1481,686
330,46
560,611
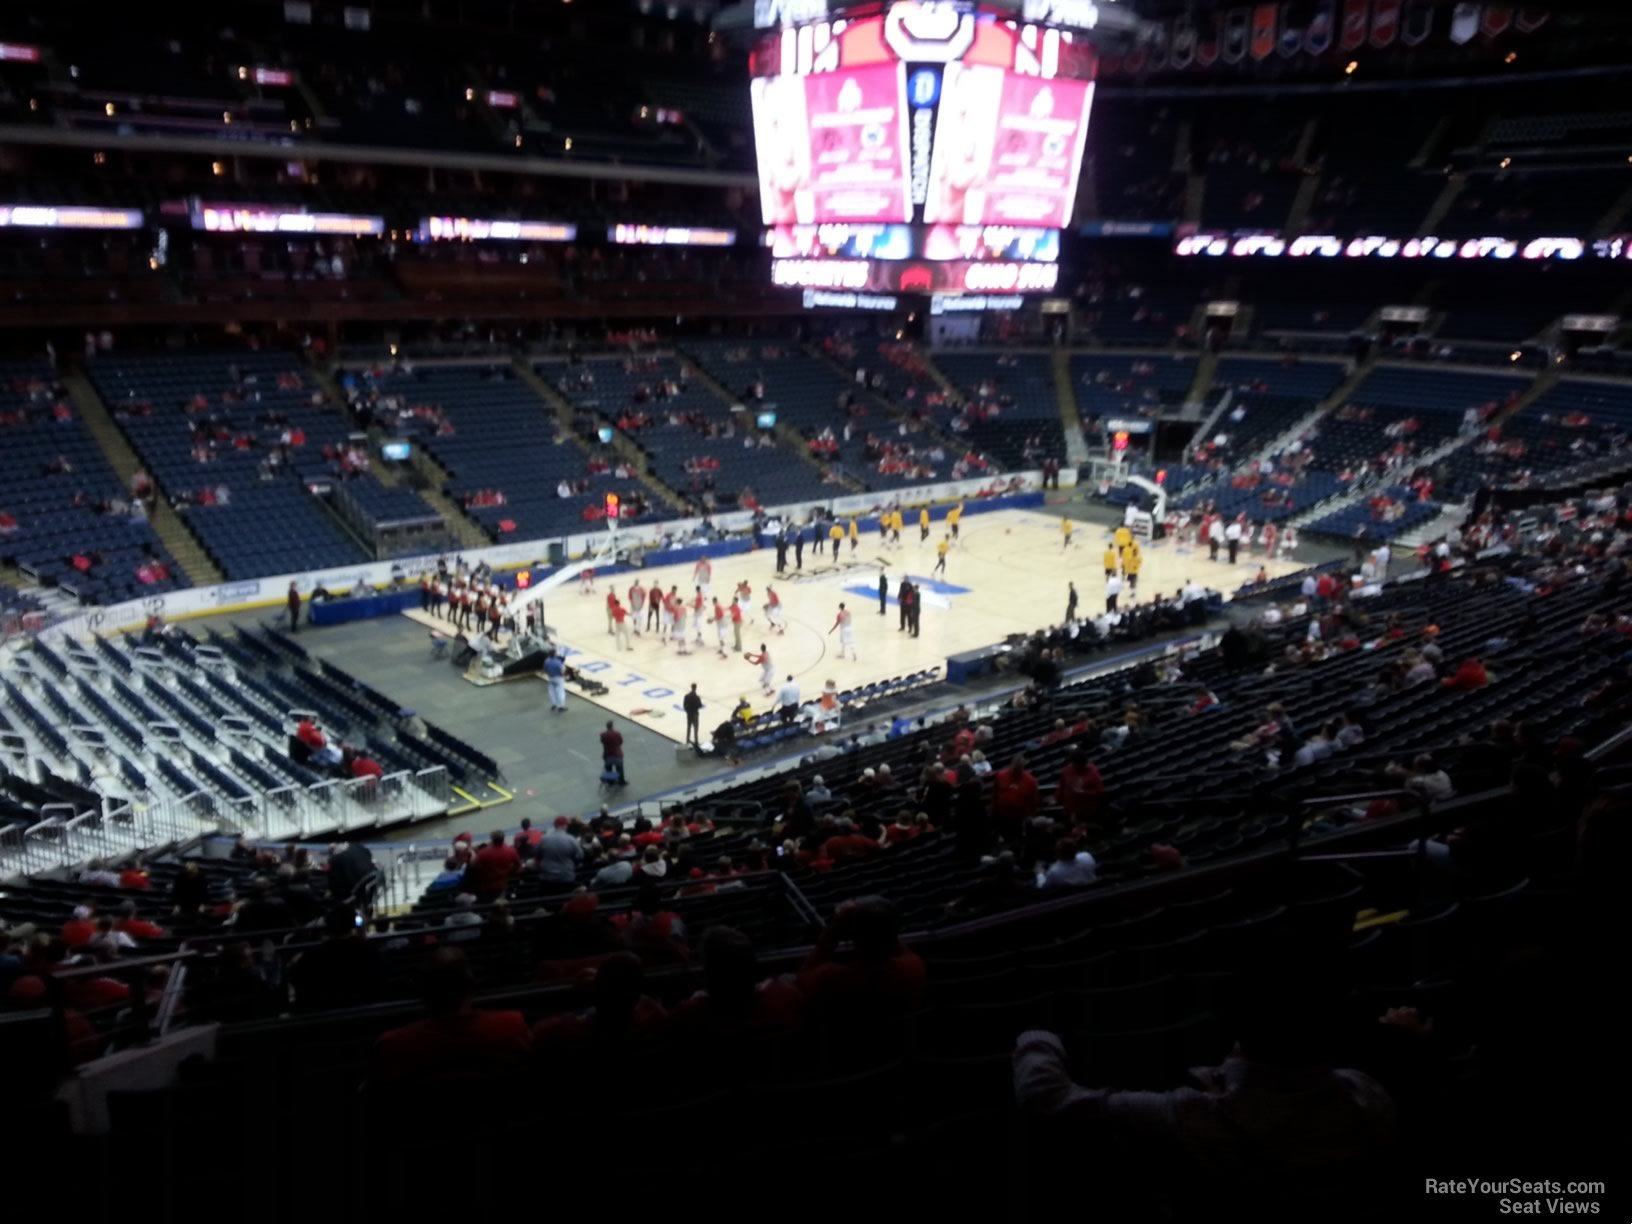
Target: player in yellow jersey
1131,561
1110,560
1066,528
836,534
1123,538
953,517
855,536
940,556
923,524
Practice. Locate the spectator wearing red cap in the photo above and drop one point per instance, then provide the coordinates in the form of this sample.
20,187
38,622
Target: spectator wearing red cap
456,1038
493,867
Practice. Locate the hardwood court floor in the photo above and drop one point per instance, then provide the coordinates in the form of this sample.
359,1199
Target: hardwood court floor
1007,574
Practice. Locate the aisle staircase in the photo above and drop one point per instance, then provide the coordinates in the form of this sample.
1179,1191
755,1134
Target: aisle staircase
621,442
1195,399
177,539
1441,206
1065,395
1336,399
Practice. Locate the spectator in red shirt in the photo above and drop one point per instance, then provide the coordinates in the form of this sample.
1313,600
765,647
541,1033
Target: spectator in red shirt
906,826
657,935
849,845
612,753
734,1000
880,978
494,866
1015,797
307,733
1081,789
136,928
1470,675
81,928
621,1010
366,767
135,876
455,1039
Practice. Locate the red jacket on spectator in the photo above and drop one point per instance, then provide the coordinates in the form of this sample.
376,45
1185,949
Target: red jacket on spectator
1470,675
474,1043
366,767
1014,794
139,928
775,1007
492,869
1081,791
77,932
848,847
308,734
648,1018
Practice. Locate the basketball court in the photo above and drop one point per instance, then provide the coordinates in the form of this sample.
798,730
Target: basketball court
1007,574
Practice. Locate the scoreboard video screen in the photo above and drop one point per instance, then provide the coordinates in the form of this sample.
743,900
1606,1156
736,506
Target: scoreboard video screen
919,147
920,131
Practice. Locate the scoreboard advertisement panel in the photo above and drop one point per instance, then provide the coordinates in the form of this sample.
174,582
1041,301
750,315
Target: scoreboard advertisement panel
920,130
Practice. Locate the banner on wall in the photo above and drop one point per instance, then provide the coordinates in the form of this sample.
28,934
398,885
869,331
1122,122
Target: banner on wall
1355,25
1464,24
1290,42
1183,53
1160,48
1317,39
1385,22
1495,20
1263,31
1417,25
1237,31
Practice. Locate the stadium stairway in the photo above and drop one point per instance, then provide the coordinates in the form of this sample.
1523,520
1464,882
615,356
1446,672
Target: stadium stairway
1336,399
178,540
889,406
1195,191
1441,207
1543,383
1196,399
1076,444
790,436
388,474
1618,212
621,442
433,478
1332,505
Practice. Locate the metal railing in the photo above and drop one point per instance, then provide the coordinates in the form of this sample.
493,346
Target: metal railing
65,837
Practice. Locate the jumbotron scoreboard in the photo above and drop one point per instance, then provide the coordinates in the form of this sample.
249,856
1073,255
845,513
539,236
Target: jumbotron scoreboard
921,146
